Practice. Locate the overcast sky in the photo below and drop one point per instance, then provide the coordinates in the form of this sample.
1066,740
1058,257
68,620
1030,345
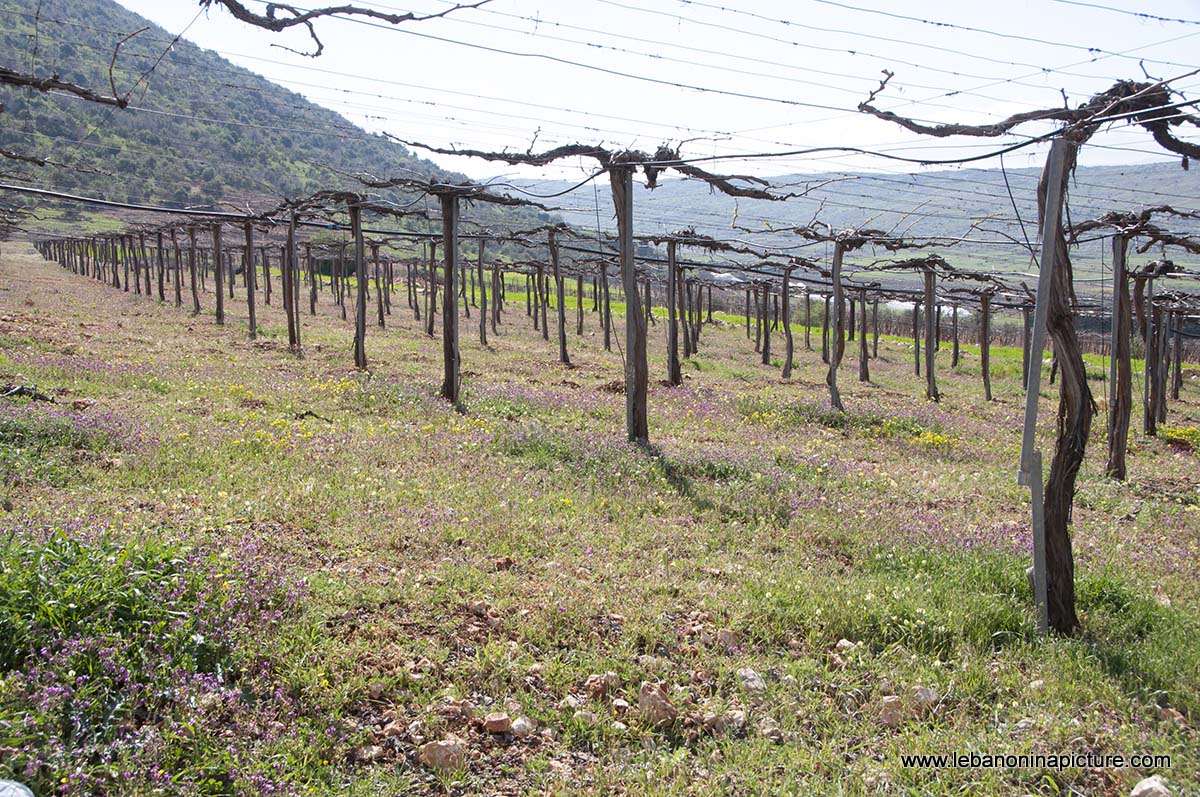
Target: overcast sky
806,65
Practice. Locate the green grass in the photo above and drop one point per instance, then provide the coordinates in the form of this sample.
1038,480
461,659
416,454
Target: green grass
329,557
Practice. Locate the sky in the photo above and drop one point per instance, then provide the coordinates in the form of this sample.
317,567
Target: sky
761,77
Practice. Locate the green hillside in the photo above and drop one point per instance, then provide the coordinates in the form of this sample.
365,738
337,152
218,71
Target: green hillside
201,130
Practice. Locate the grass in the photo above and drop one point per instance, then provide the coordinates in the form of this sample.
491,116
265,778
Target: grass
239,572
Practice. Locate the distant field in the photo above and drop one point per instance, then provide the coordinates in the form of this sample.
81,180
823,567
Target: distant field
226,570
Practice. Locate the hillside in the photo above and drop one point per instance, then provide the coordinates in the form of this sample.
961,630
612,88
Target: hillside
930,203
201,130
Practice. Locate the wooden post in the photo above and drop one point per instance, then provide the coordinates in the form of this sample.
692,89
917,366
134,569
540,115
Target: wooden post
788,344
985,344
807,320
249,275
360,306
192,270
875,329
636,369
1177,360
1120,369
748,314
606,309
766,326
1150,356
178,269
674,374
497,279
758,318
433,286
931,391
376,267
1053,566
450,359
560,300
916,319
218,273
864,373
685,321
825,333
266,267
162,268
288,276
578,303
954,331
483,291
837,343
1026,332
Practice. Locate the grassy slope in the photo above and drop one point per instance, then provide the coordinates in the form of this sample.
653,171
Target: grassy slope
899,527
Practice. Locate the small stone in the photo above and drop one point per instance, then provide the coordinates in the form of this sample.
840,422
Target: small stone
728,639
655,706
713,723
376,689
844,645
597,686
82,403
924,699
1036,685
571,702
889,711
585,716
751,680
444,756
10,788
1024,725
497,722
394,728
619,726
735,719
1168,714
368,753
769,729
1152,786
836,662
620,706
503,563
886,687
523,727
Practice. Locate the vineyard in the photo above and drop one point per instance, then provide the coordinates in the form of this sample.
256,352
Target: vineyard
407,482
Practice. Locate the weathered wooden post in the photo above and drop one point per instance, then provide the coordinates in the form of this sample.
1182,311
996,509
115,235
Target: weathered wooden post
954,353
483,291
433,287
864,373
1177,360
825,333
249,274
266,271
807,320
916,325
578,303
450,358
606,309
837,342
766,327
985,344
788,344
360,306
931,345
674,374
378,283
636,368
875,329
218,273
162,268
560,300
1120,377
192,270
178,268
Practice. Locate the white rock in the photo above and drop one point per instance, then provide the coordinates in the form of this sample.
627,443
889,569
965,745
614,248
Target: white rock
444,756
769,729
585,716
924,698
1151,787
9,788
844,645
497,722
523,726
736,719
655,706
890,711
619,726
727,638
751,680
1036,685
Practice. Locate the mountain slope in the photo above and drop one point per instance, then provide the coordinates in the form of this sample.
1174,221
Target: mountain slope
200,130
